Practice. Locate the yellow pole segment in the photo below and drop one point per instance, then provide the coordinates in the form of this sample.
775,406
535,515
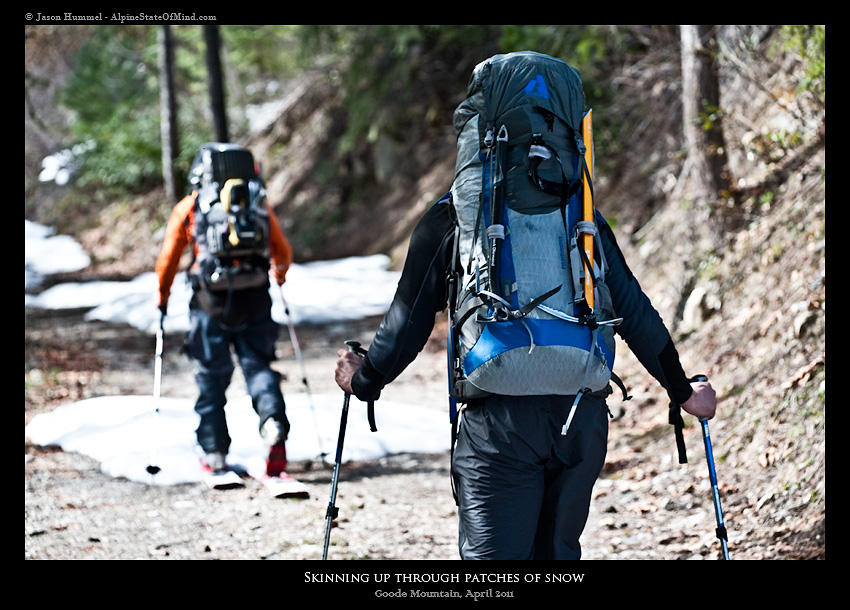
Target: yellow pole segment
587,239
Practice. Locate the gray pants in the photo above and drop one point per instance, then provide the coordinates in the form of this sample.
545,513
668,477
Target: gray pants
523,488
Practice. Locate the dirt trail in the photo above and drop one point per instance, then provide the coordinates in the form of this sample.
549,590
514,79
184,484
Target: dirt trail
400,507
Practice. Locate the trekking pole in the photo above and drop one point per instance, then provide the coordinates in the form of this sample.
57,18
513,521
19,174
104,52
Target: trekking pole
712,476
152,467
333,511
295,345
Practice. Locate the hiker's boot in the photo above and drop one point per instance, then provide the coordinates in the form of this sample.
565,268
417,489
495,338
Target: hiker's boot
274,437
214,462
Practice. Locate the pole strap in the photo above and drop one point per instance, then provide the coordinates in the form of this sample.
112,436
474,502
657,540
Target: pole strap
674,418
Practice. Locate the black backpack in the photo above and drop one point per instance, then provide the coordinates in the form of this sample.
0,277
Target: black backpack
231,219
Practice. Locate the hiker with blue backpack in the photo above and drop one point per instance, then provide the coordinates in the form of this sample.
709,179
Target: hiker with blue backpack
536,287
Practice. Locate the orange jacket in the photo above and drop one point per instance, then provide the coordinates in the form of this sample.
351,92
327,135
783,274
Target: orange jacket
180,232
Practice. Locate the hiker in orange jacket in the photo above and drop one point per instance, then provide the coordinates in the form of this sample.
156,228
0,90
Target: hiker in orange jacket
237,317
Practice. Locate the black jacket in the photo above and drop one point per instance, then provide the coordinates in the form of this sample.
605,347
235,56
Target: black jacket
422,294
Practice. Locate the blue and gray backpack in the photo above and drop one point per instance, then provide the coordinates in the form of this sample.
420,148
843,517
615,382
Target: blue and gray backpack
521,323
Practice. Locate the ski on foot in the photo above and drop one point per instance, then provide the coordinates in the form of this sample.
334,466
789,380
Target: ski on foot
221,479
282,485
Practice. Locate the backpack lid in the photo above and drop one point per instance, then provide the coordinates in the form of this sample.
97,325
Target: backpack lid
506,80
218,162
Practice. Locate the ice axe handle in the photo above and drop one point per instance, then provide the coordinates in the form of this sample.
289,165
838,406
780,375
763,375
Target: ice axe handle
354,347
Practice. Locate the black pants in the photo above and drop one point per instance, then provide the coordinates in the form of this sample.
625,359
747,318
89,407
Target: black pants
523,488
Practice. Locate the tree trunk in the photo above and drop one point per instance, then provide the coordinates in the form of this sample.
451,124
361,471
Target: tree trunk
168,113
216,83
702,123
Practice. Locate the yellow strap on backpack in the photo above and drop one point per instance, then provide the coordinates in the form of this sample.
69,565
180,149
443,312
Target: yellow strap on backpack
587,177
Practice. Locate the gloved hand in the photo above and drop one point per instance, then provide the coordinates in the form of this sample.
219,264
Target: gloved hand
279,272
